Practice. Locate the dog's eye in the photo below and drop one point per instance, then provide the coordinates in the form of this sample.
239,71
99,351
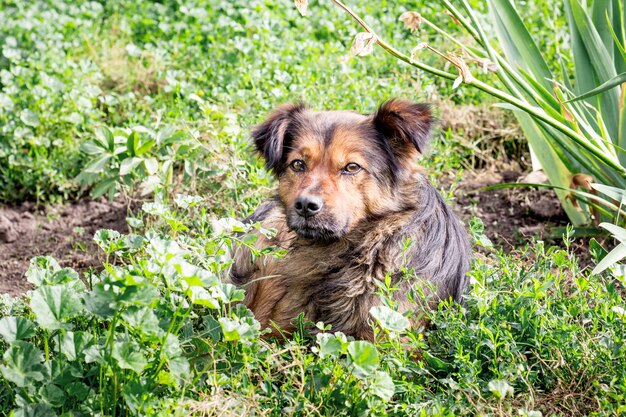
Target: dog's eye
352,168
297,165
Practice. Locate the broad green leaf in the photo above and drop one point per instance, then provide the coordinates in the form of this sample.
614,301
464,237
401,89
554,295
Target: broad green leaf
364,358
52,394
200,296
78,390
330,345
133,394
22,364
95,353
178,364
101,301
437,363
16,328
74,344
29,118
106,186
612,83
144,320
131,143
41,269
145,147
240,328
105,138
129,164
54,305
389,319
227,293
500,388
128,354
35,410
92,148
179,367
152,165
98,165
106,239
382,386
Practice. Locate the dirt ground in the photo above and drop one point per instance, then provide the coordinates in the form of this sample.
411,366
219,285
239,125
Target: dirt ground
511,217
64,232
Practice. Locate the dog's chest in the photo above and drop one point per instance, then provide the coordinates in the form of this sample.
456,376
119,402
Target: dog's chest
335,284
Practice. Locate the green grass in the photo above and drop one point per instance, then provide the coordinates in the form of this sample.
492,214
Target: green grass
143,97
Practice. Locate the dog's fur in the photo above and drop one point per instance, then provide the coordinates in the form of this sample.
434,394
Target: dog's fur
336,256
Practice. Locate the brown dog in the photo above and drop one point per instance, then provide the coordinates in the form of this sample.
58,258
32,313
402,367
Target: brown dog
350,194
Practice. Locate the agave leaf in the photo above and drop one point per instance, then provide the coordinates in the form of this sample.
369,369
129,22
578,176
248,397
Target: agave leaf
519,47
617,194
612,83
618,232
621,132
618,31
599,12
602,63
611,258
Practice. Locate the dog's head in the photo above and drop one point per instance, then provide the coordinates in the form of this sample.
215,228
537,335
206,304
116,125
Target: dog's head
337,168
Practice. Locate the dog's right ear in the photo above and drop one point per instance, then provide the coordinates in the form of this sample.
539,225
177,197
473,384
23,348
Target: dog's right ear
272,136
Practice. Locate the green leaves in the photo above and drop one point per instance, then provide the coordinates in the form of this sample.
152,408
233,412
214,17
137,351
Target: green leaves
74,344
389,319
128,354
364,358
612,83
500,388
126,158
23,364
331,345
364,361
54,306
382,386
16,328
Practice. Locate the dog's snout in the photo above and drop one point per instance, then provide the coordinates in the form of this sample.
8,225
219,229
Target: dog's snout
308,205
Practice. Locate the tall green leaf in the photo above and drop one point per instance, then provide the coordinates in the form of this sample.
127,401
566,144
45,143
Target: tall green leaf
600,61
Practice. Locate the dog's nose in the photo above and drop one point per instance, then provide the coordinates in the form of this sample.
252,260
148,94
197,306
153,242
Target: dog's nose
308,205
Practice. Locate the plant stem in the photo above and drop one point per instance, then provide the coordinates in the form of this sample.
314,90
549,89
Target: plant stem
534,111
391,49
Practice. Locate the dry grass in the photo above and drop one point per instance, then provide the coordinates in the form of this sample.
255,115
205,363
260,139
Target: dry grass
490,136
123,71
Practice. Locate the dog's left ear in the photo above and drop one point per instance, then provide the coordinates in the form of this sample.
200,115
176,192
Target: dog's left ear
404,125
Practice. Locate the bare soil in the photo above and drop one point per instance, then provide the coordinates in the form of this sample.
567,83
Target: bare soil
63,232
512,216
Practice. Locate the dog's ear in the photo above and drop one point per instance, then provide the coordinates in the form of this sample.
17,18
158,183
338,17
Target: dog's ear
271,136
404,125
